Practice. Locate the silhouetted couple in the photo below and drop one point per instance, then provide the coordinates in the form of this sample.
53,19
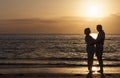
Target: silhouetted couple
95,47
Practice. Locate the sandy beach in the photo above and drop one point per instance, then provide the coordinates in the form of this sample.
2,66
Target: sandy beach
58,72
59,76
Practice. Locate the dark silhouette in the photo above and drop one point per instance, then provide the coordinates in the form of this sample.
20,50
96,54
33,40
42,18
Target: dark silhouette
90,48
89,75
99,46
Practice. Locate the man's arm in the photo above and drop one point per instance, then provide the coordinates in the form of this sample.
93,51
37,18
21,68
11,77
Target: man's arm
101,37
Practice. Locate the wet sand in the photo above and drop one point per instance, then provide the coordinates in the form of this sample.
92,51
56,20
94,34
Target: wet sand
59,76
66,72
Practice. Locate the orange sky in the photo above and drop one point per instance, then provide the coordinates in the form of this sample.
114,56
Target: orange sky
58,16
53,8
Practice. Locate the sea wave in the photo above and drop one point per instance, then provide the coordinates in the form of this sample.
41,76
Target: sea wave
60,48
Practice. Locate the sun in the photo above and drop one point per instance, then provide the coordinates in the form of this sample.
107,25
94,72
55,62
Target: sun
94,11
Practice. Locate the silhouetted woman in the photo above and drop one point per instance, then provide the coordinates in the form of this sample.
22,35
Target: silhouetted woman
90,48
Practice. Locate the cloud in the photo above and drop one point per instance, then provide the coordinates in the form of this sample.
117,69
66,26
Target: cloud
59,25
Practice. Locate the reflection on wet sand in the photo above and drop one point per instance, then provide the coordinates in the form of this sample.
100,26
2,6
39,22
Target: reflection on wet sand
91,75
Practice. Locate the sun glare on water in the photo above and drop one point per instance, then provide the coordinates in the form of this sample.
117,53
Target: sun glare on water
94,69
94,35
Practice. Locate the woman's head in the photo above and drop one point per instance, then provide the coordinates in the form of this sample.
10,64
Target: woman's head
87,31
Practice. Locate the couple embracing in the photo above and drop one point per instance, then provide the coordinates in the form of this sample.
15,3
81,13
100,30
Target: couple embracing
95,47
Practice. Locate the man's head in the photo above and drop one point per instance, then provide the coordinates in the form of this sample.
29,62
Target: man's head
87,31
99,27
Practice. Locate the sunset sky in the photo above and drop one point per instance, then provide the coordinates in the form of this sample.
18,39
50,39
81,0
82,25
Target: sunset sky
58,16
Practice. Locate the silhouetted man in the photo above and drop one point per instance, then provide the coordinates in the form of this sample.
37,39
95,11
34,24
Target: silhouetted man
99,46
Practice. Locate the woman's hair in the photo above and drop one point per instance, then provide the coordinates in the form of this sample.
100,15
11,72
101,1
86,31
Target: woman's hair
87,31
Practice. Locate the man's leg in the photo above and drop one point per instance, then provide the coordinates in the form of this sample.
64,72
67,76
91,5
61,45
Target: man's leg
99,57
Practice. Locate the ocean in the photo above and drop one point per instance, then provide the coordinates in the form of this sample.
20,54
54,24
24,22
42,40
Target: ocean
56,50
